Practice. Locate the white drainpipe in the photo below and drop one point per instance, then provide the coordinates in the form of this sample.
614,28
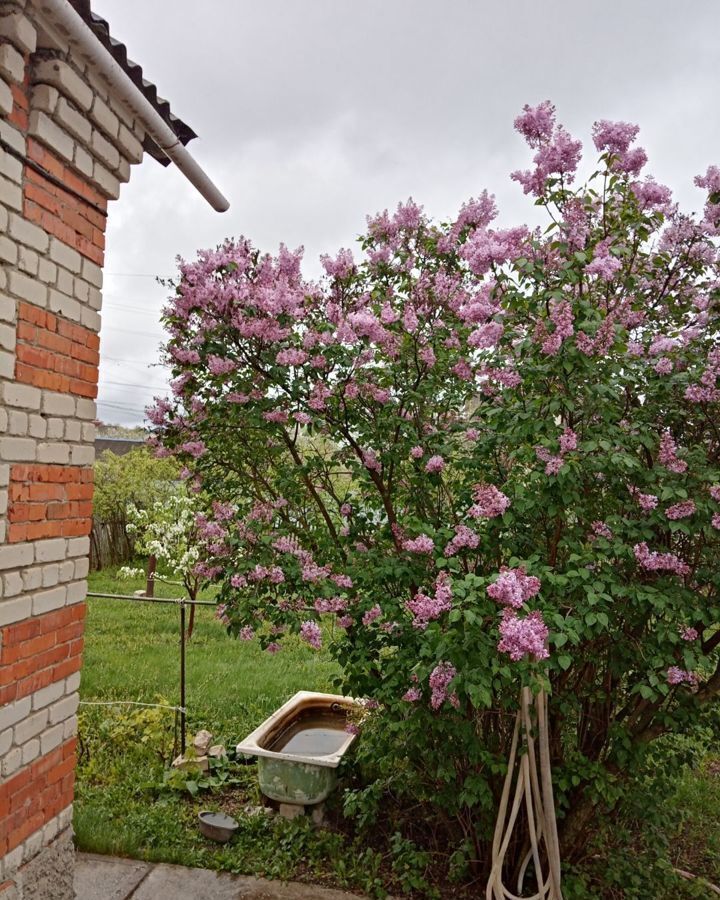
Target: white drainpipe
64,18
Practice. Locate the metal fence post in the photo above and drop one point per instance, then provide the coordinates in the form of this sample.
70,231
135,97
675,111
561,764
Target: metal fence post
182,677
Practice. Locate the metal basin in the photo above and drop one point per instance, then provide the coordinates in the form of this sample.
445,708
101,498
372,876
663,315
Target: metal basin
299,747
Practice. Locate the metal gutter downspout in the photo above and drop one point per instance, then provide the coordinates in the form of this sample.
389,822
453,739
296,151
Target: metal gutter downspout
65,18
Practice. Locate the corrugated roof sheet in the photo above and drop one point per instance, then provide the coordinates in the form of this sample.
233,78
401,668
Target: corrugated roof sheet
101,30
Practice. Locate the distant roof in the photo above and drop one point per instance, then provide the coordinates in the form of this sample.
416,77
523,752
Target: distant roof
101,30
117,445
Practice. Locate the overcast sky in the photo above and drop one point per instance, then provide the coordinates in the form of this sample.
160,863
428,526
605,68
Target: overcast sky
313,113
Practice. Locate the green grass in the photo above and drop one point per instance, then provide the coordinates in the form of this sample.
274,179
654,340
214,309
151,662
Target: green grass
132,653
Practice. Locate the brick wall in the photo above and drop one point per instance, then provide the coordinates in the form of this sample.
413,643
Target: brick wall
66,146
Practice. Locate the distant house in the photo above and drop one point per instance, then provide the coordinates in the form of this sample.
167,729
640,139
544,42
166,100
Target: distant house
75,115
117,445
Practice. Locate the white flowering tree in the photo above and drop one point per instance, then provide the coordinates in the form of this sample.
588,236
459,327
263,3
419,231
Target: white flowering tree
167,530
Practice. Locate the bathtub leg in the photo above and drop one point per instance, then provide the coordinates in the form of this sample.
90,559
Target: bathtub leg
318,815
291,810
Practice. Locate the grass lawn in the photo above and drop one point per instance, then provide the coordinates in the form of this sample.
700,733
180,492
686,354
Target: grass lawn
122,807
132,653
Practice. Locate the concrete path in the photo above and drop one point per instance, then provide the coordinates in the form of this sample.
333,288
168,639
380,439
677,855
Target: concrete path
111,878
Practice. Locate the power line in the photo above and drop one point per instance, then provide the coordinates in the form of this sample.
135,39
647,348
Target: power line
151,387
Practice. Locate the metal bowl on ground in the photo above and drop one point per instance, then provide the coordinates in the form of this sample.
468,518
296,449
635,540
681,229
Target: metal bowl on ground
217,826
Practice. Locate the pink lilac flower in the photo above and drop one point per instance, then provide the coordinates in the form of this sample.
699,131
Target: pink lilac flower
663,366
246,633
659,562
330,605
646,502
715,492
217,365
536,123
568,441
372,614
601,529
715,521
435,465
651,195
412,695
312,572
523,637
345,510
302,418
440,679
310,632
463,370
273,647
561,315
554,464
687,633
410,319
278,416
420,544
427,355
680,510
426,609
344,621
667,455
417,452
343,581
472,434
486,336
238,581
487,247
676,675
341,266
662,344
513,587
196,449
370,461
557,153
352,728
464,539
603,264
489,502
615,138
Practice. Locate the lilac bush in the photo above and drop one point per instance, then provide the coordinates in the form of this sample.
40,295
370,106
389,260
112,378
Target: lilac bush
489,455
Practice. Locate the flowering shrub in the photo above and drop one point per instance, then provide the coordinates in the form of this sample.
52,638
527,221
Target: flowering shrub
169,529
491,454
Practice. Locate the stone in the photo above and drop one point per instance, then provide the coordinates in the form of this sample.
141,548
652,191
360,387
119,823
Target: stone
188,763
217,751
291,810
202,742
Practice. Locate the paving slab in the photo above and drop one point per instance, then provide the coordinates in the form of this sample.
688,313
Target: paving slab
110,878
107,877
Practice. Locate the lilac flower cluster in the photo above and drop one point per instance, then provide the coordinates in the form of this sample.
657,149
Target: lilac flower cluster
676,675
311,633
659,562
426,609
489,502
523,637
681,510
440,679
513,587
667,455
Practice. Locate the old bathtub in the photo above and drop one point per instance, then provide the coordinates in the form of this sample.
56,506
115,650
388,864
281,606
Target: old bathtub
299,747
